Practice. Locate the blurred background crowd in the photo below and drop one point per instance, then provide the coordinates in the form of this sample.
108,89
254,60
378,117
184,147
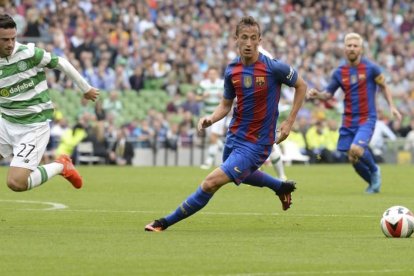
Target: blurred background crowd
148,58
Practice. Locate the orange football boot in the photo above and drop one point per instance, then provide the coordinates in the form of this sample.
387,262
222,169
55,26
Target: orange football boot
69,171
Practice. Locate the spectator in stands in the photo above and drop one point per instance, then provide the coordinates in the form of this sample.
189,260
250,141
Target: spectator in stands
409,140
85,107
331,141
96,135
33,23
122,151
122,77
161,67
70,139
136,80
112,104
144,134
100,113
191,104
104,76
317,145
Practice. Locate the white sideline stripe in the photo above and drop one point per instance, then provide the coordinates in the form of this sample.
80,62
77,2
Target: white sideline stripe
54,205
218,213
60,206
373,271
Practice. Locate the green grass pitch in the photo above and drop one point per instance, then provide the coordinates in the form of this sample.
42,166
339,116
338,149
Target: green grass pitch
331,229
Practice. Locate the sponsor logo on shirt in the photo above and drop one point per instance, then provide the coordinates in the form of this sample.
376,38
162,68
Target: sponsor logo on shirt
16,89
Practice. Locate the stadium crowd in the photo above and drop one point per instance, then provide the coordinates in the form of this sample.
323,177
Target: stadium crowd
122,45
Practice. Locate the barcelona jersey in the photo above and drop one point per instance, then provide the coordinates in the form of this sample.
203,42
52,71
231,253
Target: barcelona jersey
359,86
257,89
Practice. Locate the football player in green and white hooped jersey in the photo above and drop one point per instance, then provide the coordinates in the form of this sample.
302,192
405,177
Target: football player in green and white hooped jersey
26,110
276,155
211,92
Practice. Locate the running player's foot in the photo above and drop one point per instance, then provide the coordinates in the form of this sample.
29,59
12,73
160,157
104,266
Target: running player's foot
157,225
285,193
69,171
375,184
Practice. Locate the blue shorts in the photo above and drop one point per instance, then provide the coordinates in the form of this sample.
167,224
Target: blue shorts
360,136
242,158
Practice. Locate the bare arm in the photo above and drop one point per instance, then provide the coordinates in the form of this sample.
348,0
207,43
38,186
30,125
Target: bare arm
219,113
380,80
286,126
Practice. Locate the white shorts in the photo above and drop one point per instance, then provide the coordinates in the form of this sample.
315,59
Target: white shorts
27,143
219,127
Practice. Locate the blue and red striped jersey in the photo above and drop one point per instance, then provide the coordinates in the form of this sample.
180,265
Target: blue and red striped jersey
359,86
257,91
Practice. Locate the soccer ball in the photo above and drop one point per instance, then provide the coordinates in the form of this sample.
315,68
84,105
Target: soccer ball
397,222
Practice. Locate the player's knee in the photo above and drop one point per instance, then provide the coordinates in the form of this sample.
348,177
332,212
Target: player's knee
355,152
16,185
211,185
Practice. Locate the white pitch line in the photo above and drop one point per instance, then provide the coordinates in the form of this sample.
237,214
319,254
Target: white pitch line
217,213
331,272
54,205
59,206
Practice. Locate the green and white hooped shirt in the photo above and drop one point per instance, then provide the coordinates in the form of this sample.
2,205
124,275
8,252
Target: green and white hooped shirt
24,96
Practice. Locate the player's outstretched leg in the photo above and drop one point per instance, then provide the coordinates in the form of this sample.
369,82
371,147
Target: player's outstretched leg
285,193
69,171
283,189
157,225
194,203
375,182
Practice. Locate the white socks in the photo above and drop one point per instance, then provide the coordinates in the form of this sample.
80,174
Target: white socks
276,159
42,174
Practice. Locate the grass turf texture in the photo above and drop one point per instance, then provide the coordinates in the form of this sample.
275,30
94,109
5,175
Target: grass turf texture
332,227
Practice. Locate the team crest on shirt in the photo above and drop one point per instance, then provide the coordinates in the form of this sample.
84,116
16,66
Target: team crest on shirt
22,65
354,79
260,81
247,80
361,77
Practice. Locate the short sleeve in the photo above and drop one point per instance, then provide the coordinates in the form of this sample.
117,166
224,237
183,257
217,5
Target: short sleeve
284,73
229,91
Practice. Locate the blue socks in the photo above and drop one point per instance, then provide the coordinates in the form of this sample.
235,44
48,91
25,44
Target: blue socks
362,170
261,179
191,205
369,161
366,166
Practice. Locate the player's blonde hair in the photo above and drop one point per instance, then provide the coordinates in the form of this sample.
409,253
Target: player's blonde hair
354,36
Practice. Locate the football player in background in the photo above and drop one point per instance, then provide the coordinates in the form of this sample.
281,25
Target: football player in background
359,79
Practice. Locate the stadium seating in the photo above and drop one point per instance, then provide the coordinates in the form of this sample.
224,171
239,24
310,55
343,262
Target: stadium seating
135,104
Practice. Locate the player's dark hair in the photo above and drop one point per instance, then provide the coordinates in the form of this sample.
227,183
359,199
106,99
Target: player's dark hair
247,21
7,22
